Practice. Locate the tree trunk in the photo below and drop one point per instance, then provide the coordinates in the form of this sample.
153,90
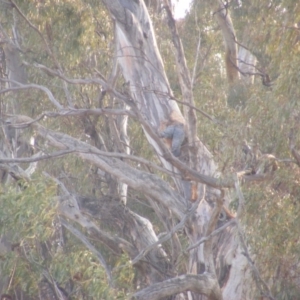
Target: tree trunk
239,62
142,68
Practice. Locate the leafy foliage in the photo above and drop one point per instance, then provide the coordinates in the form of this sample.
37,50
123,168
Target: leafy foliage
78,36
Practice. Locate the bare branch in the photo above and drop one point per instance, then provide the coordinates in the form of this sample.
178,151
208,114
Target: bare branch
204,284
196,61
214,120
150,184
89,246
168,235
21,86
261,284
241,199
69,112
197,55
69,208
69,151
36,158
108,86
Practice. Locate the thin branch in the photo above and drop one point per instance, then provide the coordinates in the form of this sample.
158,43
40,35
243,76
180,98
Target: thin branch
261,284
196,59
51,281
215,232
168,235
117,94
31,86
214,120
69,112
80,150
37,158
168,95
98,81
91,247
197,52
69,208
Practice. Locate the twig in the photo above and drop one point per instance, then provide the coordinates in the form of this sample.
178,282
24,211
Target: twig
214,120
36,158
86,242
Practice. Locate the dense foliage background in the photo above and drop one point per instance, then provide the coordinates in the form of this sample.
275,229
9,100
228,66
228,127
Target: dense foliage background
78,37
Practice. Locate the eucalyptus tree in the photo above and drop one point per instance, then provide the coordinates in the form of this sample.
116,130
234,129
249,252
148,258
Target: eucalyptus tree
114,194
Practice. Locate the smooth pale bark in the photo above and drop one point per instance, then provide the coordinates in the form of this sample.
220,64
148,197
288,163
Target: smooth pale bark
122,122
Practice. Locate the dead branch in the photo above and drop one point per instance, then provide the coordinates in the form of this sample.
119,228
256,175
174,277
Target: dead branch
21,86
